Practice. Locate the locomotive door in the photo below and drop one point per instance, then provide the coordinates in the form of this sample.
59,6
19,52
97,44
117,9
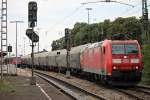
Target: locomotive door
103,60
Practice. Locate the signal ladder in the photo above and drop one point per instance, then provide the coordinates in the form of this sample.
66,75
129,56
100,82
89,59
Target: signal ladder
3,32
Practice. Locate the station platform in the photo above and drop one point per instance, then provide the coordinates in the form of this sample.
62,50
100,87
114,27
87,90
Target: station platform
23,90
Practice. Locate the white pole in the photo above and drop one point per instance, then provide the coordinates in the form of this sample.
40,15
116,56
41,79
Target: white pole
16,41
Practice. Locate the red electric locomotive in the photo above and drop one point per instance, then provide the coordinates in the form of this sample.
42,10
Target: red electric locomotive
118,62
13,60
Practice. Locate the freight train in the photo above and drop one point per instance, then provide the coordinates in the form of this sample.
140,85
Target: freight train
117,62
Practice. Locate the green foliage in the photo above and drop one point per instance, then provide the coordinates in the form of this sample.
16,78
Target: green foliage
146,61
5,87
77,39
58,44
83,33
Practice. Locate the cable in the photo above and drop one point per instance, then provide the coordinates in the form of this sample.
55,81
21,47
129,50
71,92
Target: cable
128,10
68,16
108,1
78,8
124,3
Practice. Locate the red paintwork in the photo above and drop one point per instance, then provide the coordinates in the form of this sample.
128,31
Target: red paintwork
18,61
128,65
13,60
94,59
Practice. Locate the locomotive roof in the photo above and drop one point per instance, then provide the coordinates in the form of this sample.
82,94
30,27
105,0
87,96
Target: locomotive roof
97,44
79,48
124,41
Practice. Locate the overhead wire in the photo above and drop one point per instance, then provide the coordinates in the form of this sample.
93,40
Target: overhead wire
68,16
109,1
130,9
78,8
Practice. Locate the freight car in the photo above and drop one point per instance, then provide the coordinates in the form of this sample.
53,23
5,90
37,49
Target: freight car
116,62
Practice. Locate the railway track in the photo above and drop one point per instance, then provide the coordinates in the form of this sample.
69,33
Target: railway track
144,89
74,91
138,92
100,92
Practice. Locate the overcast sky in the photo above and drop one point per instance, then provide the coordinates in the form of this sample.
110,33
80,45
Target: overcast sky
56,15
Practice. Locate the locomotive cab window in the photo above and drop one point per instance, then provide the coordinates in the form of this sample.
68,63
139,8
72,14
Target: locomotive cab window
124,49
131,49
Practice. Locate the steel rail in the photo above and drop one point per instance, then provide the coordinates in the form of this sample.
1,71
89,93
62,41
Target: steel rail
67,90
129,94
143,89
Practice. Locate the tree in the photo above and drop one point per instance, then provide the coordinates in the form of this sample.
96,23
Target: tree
146,60
133,27
106,28
83,33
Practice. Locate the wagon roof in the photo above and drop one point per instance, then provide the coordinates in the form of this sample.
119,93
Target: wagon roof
54,53
41,54
79,49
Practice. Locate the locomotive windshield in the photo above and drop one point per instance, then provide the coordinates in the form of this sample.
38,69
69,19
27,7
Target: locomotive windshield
124,49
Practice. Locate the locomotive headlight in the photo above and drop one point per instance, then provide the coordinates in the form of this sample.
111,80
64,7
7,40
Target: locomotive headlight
134,60
116,61
136,67
114,67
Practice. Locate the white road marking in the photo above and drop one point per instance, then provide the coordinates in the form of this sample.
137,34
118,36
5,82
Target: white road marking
49,98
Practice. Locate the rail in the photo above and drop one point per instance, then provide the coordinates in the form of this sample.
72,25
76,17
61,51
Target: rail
74,91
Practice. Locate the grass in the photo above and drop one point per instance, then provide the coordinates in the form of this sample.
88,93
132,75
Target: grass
5,87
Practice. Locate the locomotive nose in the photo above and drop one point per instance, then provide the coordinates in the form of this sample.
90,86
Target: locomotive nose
125,62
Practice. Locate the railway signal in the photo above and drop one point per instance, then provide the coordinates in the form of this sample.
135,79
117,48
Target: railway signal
67,39
68,48
32,20
32,13
32,35
9,48
9,51
3,54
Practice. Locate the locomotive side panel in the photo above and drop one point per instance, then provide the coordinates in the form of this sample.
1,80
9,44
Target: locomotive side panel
90,59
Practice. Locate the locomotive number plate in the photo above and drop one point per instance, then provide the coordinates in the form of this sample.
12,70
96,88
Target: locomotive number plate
125,61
